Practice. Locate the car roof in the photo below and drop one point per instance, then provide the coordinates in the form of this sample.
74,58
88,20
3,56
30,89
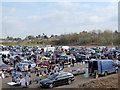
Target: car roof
102,60
23,63
3,64
63,73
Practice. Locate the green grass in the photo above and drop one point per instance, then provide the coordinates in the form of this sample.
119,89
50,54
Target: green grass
28,43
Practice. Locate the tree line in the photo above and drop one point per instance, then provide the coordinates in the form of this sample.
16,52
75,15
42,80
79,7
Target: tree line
94,37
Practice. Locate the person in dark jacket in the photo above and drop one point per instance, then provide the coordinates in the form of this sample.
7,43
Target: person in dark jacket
63,64
14,63
73,62
29,66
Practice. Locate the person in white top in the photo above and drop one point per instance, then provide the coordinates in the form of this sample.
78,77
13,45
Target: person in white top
22,82
3,76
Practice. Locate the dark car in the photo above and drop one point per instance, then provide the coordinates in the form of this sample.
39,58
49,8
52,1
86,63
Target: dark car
58,54
81,51
67,58
47,54
93,56
68,52
57,79
81,57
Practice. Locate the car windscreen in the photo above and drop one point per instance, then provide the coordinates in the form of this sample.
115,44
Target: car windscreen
52,76
30,62
62,58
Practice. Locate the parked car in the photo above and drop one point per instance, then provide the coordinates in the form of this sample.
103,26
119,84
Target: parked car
58,53
81,51
57,79
22,67
30,63
101,67
93,56
47,54
6,68
67,58
78,71
45,58
47,63
68,52
81,57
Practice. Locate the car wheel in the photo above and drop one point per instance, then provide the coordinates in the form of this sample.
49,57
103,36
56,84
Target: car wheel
69,81
51,86
105,74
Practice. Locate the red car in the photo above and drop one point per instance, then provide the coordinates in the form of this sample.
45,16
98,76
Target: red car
4,67
44,63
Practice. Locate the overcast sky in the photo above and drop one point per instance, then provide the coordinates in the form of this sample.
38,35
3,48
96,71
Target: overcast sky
21,19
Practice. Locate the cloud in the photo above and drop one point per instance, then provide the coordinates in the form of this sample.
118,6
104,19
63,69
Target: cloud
8,10
12,10
61,18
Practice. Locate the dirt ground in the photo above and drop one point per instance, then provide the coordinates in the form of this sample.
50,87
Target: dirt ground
33,76
110,81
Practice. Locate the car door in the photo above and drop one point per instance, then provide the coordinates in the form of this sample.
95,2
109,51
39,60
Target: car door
58,80
64,79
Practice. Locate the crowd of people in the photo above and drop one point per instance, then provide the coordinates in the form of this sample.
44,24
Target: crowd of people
49,70
23,79
19,53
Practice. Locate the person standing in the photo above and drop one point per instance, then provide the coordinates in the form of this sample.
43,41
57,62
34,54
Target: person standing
56,61
73,62
29,66
14,63
63,64
29,80
45,72
3,76
28,73
49,70
22,81
12,74
26,80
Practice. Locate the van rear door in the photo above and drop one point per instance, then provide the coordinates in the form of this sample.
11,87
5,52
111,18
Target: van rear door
95,65
90,66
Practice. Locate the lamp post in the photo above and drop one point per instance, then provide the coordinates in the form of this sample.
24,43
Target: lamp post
43,40
112,38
